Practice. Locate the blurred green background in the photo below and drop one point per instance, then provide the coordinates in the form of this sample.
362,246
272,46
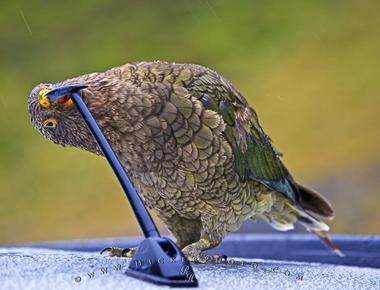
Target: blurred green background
311,69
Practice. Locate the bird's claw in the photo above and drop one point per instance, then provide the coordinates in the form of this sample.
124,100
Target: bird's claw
118,252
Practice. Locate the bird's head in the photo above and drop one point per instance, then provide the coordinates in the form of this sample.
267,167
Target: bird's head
59,121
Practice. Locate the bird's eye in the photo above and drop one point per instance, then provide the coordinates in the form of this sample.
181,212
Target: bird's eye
50,123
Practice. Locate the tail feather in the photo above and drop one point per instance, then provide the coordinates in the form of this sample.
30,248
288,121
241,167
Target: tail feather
314,202
309,212
329,243
319,228
309,221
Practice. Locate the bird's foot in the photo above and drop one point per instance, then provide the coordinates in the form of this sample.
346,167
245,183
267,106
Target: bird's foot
207,259
193,253
118,252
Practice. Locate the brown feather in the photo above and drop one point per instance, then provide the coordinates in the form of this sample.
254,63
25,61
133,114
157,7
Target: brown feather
314,202
329,243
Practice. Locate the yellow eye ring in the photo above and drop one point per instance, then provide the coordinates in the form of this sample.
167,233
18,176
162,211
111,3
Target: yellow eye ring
50,123
44,102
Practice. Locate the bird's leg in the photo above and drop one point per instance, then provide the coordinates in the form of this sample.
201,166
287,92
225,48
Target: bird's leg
193,239
193,252
119,252
211,236
184,230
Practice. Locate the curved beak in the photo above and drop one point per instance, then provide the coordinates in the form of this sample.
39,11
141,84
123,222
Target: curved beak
55,94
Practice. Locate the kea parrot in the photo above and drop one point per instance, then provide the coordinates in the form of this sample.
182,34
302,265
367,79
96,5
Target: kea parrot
192,146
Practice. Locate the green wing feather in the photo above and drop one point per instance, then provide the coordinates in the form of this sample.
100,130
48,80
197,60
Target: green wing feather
255,156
